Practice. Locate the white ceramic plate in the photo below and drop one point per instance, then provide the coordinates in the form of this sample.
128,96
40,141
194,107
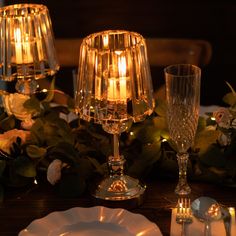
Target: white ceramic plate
97,221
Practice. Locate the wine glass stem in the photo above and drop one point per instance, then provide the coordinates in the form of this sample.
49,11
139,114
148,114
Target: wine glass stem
116,145
182,187
116,162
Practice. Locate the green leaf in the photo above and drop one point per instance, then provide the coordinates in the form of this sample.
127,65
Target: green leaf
34,151
50,93
201,124
32,105
24,166
37,132
230,99
161,107
143,164
8,123
160,123
3,114
63,151
204,139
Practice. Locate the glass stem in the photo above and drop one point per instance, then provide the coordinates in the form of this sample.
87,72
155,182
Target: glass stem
116,162
182,187
116,146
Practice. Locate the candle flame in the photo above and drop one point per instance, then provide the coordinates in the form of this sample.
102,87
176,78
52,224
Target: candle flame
105,41
122,66
17,35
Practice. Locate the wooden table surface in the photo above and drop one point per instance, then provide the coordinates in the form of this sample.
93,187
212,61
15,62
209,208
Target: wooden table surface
21,207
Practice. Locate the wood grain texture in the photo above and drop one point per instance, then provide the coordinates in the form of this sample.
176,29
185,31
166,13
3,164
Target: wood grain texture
23,206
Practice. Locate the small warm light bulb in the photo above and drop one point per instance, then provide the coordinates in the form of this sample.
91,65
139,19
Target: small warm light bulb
131,133
164,140
213,118
44,90
35,181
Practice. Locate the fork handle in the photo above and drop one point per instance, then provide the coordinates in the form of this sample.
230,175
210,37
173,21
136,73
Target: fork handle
183,229
207,229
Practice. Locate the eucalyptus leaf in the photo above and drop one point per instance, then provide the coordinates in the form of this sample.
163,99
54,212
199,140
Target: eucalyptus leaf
230,99
161,107
201,124
63,151
160,123
8,123
3,114
204,139
32,105
50,93
24,166
142,165
212,156
35,152
37,132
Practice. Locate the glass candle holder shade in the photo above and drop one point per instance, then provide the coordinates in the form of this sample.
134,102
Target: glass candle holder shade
114,89
114,84
27,43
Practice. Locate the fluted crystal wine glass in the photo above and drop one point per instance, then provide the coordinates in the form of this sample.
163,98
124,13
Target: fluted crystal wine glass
114,89
183,101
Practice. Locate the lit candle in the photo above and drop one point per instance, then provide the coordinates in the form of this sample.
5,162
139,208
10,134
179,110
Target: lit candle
22,48
117,87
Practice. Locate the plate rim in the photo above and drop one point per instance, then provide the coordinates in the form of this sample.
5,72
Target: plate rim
30,229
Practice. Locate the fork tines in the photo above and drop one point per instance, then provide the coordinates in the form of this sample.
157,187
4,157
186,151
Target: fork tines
184,213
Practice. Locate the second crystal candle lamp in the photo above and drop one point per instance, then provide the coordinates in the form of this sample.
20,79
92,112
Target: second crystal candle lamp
114,89
27,51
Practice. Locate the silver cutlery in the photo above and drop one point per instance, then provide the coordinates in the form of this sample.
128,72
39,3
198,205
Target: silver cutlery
184,214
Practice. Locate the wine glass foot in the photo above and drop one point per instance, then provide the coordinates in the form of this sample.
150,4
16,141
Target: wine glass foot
117,188
182,189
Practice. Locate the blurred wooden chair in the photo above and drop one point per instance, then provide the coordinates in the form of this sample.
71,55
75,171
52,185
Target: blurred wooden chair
164,52
161,52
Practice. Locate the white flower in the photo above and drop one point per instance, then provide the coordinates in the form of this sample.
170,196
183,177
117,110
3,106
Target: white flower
211,127
54,171
9,137
224,139
223,117
27,124
13,104
234,123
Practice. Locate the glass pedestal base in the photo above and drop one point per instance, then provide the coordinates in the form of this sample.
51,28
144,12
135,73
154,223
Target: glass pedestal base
118,188
182,189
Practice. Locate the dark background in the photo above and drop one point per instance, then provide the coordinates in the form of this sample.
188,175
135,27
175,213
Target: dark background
208,20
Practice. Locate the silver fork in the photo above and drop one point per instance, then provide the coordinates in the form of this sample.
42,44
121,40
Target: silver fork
184,213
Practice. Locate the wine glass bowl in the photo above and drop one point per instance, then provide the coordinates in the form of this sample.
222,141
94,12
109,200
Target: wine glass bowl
183,102
114,89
